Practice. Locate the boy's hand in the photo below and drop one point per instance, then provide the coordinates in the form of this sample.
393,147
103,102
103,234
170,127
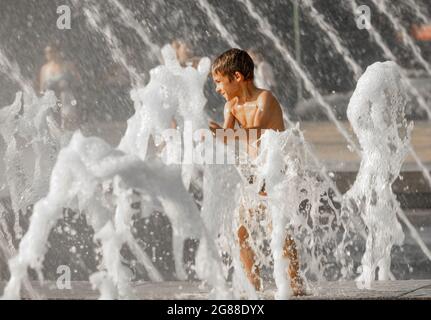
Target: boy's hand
214,126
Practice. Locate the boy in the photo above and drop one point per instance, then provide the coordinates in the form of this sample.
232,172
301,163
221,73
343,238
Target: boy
250,108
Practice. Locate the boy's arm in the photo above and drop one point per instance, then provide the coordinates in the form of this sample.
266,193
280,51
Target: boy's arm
229,119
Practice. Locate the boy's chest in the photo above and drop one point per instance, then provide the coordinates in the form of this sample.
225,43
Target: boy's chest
245,113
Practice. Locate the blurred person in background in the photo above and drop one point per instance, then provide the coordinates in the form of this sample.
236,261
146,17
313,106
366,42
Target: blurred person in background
185,54
421,32
61,77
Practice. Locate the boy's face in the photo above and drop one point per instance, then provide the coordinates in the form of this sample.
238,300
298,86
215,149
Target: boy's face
229,89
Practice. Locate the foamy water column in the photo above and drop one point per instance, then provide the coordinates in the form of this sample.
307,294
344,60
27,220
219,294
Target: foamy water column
280,165
30,149
12,166
87,168
173,92
176,93
376,113
77,181
45,137
299,205
72,185
221,194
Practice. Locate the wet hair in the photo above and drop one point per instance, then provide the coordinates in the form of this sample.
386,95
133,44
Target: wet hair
234,60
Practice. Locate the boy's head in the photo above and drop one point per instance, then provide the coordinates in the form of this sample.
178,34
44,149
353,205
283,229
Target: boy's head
52,52
230,69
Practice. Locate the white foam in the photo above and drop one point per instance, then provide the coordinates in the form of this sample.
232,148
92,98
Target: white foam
86,168
376,113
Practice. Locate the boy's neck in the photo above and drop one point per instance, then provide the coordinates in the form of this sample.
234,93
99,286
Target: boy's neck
247,92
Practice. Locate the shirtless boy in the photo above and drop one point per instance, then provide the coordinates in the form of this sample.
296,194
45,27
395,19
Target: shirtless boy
250,108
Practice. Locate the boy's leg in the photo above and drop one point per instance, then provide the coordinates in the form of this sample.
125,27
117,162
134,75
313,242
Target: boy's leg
247,257
291,253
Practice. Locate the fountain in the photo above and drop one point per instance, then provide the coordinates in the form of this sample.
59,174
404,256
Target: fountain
161,165
88,164
376,112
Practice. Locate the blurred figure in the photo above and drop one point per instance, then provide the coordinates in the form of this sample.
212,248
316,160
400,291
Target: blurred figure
60,76
185,58
185,54
421,32
263,74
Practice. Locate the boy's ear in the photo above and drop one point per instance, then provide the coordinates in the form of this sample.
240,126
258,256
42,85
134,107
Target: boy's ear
238,76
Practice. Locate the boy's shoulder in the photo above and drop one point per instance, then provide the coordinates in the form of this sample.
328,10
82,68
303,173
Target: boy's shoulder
266,98
265,94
